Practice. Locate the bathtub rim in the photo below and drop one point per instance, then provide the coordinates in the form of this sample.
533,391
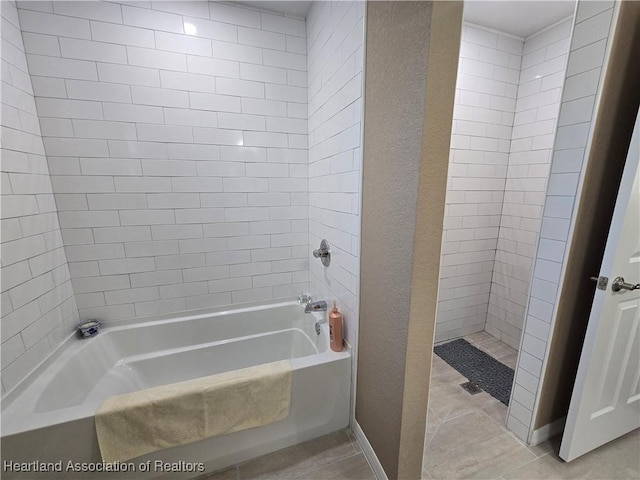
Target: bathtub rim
66,350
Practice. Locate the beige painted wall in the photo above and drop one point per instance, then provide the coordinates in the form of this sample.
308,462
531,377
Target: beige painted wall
411,62
395,81
444,46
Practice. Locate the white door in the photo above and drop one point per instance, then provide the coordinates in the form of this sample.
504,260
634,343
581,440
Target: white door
605,403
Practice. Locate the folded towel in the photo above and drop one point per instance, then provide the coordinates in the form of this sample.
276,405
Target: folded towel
142,422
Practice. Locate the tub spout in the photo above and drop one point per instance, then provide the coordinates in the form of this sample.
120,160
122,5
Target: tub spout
320,306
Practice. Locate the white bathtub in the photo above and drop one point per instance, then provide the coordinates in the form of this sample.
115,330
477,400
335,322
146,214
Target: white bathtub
49,416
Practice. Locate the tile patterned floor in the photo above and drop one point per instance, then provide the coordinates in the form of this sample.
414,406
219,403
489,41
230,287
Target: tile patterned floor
466,439
466,436
336,456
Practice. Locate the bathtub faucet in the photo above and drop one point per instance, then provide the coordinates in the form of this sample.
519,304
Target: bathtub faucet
319,306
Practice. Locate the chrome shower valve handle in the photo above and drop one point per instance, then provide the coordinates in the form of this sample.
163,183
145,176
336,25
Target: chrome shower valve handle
323,253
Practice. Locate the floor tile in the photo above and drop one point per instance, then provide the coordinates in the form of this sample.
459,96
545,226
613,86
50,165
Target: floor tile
429,435
454,404
510,360
440,367
354,441
337,456
426,476
479,338
549,467
446,384
497,411
552,445
617,460
487,458
228,474
297,461
351,468
432,418
464,431
496,348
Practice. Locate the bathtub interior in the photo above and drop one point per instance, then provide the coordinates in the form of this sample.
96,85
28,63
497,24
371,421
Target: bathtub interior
150,354
176,365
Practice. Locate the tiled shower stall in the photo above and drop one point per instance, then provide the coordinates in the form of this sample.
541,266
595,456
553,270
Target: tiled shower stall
168,156
505,117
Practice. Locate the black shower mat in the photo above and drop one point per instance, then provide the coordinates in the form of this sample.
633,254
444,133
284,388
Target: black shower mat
482,369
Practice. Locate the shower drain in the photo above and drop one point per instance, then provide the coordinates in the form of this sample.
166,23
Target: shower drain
470,387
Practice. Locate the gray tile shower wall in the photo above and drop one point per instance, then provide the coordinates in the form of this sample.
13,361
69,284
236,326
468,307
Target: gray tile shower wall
38,306
176,135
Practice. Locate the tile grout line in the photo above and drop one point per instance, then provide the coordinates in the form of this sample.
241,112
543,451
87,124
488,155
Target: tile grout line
525,464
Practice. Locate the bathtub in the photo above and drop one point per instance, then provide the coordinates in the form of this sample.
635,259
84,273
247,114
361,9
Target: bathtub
49,416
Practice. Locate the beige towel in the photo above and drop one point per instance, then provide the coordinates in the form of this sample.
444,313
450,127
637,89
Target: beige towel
142,422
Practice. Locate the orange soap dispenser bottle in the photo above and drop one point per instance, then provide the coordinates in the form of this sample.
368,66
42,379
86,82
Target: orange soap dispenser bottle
335,329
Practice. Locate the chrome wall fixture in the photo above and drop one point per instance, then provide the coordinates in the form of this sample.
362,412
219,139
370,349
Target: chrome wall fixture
323,253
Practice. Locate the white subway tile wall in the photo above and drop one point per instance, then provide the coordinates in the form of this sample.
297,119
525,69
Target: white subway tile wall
501,151
335,35
38,306
544,58
487,84
592,29
176,139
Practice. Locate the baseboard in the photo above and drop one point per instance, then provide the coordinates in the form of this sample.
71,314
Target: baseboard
368,452
547,431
